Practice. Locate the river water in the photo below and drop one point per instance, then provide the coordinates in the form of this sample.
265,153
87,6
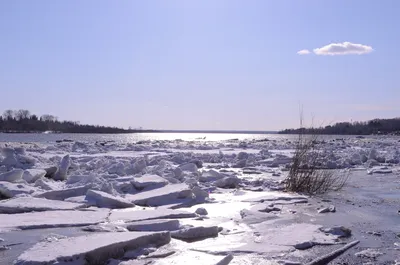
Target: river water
135,137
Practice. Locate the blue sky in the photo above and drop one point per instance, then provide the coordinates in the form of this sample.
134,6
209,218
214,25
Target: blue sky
210,64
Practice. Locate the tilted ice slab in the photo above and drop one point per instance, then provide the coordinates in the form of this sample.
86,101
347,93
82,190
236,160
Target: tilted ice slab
61,173
149,182
12,176
51,219
90,249
132,215
31,175
104,200
65,193
10,190
166,195
29,204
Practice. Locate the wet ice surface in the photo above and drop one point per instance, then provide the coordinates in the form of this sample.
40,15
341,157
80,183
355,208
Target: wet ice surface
58,197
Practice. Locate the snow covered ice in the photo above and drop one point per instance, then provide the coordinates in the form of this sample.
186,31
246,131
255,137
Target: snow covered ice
220,202
29,204
92,249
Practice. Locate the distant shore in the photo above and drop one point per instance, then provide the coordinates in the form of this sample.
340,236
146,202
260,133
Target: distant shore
372,127
150,131
82,132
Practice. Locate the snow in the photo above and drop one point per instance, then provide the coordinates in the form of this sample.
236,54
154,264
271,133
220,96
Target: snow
28,204
90,249
162,196
105,200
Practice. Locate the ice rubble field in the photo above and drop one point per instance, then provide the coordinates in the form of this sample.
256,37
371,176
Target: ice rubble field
168,202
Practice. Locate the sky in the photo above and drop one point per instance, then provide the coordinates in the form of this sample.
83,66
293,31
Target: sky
209,64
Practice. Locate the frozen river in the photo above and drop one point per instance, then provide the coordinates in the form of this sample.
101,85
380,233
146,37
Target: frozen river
171,198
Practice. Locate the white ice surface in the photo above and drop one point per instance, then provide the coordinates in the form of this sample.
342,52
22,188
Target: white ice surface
162,196
90,249
50,219
104,200
63,194
29,204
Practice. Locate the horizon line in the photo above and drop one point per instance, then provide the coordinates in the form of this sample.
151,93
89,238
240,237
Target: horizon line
219,131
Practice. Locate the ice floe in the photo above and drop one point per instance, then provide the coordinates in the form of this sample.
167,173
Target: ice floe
92,249
105,200
51,219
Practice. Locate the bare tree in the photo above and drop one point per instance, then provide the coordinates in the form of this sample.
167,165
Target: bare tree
8,114
48,118
22,114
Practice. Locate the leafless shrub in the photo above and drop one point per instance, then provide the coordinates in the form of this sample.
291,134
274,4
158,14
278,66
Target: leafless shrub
305,173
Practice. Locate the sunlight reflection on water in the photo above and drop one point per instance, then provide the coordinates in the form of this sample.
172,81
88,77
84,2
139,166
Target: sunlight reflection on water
132,137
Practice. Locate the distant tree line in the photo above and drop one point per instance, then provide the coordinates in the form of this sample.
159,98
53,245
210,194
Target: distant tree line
24,121
376,126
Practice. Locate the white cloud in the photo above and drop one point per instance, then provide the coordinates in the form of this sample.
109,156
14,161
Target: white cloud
343,48
303,52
